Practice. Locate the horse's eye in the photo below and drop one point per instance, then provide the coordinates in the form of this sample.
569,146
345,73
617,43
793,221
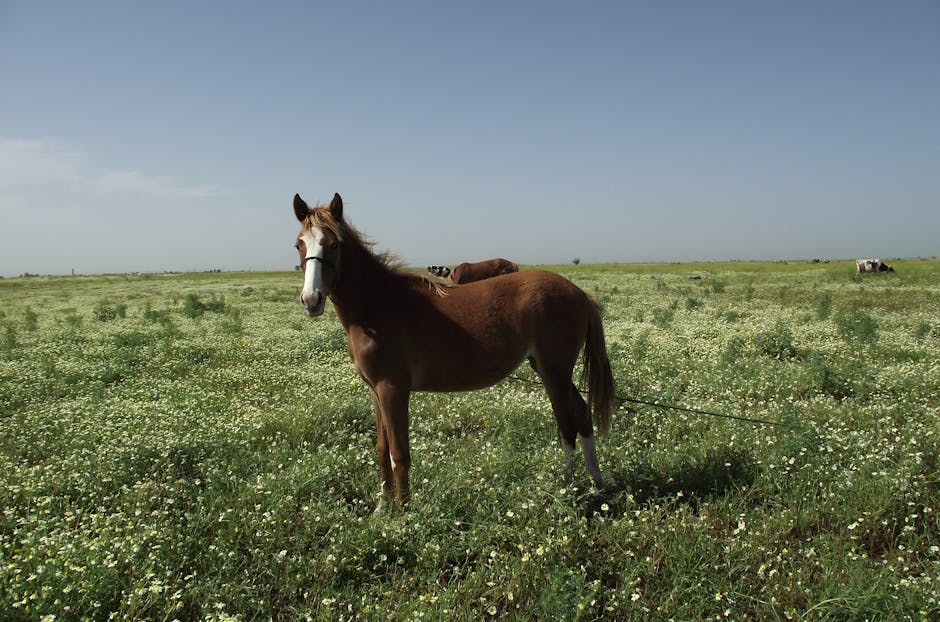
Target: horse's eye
297,246
334,245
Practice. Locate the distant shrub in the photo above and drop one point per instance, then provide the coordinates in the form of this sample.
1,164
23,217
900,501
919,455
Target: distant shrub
106,312
30,319
732,351
194,307
776,343
72,319
923,329
664,316
640,346
824,308
216,304
155,316
828,379
8,343
132,339
47,364
692,303
283,294
855,326
103,313
111,374
232,324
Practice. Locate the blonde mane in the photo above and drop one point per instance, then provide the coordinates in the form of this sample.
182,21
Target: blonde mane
322,218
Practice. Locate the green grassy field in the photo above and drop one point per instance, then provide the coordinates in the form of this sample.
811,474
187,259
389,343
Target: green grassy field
194,447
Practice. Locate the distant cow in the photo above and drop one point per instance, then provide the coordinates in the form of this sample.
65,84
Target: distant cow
469,272
872,265
441,271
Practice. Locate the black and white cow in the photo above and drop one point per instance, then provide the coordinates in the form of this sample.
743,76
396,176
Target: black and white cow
441,271
872,265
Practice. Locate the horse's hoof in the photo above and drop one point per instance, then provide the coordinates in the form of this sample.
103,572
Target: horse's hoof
379,508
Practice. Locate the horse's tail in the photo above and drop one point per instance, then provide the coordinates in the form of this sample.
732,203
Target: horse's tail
596,375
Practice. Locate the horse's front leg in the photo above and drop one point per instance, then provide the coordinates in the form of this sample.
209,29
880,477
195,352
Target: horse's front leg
381,455
392,400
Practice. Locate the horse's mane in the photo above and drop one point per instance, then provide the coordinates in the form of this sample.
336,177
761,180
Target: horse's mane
322,217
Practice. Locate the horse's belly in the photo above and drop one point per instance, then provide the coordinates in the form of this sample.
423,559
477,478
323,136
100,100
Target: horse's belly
462,374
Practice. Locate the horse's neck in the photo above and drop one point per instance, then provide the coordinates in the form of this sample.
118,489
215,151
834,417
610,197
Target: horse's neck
364,283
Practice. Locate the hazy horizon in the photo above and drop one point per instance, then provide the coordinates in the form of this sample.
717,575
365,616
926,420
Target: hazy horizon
420,267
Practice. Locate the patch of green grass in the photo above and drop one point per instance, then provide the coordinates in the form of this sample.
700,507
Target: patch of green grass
194,307
209,454
835,381
777,342
733,351
922,330
106,312
71,318
30,319
8,344
664,316
856,326
824,308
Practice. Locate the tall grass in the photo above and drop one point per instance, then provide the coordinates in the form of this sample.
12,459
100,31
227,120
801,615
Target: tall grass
194,447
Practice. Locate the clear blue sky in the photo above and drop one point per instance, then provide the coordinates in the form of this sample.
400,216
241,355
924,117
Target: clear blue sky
173,135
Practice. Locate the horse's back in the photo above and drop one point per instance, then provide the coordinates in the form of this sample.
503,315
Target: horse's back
490,326
537,279
518,297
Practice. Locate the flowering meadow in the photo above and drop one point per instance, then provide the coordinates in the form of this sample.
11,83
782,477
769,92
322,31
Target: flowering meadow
195,447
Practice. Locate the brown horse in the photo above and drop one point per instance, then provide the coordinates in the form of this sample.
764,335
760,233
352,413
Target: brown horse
407,332
469,272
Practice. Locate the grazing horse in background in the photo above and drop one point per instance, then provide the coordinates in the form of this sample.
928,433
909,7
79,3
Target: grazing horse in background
408,332
469,272
871,265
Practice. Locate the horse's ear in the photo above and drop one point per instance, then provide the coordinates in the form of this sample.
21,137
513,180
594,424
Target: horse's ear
300,208
336,207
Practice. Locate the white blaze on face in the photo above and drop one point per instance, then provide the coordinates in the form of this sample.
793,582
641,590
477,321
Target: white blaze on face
312,295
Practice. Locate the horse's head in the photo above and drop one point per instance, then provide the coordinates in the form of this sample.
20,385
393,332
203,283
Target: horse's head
318,243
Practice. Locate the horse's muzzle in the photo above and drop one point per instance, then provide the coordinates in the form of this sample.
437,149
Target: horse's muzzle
313,303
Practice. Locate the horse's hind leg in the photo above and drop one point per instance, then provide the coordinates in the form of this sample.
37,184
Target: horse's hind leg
573,419
532,364
586,432
589,449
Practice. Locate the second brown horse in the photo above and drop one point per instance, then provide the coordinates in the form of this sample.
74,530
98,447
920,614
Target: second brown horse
477,271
